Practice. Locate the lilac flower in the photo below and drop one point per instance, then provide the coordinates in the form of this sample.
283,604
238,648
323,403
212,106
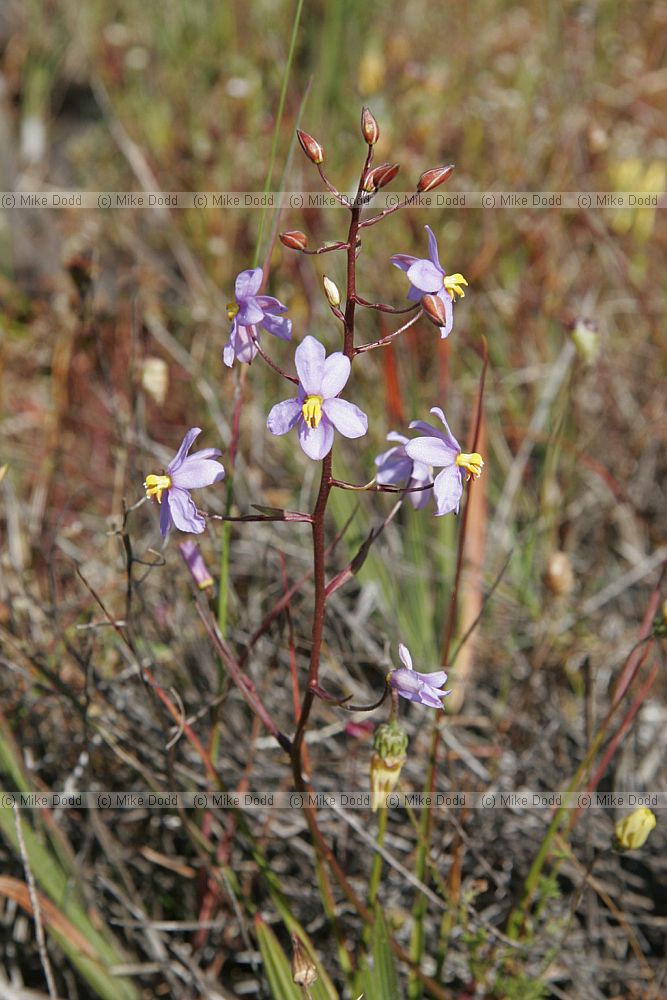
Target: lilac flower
410,684
427,277
317,410
184,473
396,468
250,311
441,449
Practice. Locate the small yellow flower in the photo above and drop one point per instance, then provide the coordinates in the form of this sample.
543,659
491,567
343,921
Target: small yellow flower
631,831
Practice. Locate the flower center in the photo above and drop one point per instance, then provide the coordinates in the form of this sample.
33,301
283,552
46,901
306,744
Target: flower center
312,411
473,464
453,284
232,310
156,485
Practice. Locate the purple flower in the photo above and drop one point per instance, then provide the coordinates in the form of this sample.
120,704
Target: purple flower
184,473
396,468
410,684
441,449
250,311
427,277
317,410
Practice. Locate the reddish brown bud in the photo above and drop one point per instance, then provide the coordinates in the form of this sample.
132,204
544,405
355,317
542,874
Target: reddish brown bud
434,309
434,177
369,127
294,239
310,146
380,176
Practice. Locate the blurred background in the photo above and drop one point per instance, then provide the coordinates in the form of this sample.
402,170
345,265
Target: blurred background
112,325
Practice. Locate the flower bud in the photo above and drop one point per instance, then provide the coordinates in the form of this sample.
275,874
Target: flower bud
586,340
434,309
155,378
390,744
194,560
434,177
304,972
331,292
380,176
369,127
294,239
659,622
559,577
310,146
631,832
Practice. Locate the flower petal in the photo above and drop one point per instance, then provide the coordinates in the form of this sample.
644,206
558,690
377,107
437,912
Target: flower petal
431,451
395,436
248,283
394,467
165,518
449,314
336,374
249,313
347,418
403,261
241,345
405,658
425,275
196,472
448,487
186,444
283,416
316,441
183,511
269,304
452,440
309,360
434,680
279,326
433,249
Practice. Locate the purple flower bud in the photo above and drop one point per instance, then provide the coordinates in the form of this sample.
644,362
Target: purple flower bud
369,127
194,560
311,147
434,177
294,239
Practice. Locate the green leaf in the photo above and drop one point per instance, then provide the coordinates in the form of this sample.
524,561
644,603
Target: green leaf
380,981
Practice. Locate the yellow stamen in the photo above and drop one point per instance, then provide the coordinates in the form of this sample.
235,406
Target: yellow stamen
312,410
232,310
156,485
473,464
453,283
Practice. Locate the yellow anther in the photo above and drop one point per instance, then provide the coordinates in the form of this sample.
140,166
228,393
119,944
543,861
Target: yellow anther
156,485
473,464
232,310
453,283
312,410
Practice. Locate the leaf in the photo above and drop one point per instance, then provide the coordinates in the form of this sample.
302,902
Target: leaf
379,981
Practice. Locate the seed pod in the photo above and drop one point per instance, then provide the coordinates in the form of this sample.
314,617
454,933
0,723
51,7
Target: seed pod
311,147
434,177
434,309
294,239
369,127
380,176
390,750
304,972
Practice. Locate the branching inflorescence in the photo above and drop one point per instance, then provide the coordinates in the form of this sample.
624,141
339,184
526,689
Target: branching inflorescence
315,412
